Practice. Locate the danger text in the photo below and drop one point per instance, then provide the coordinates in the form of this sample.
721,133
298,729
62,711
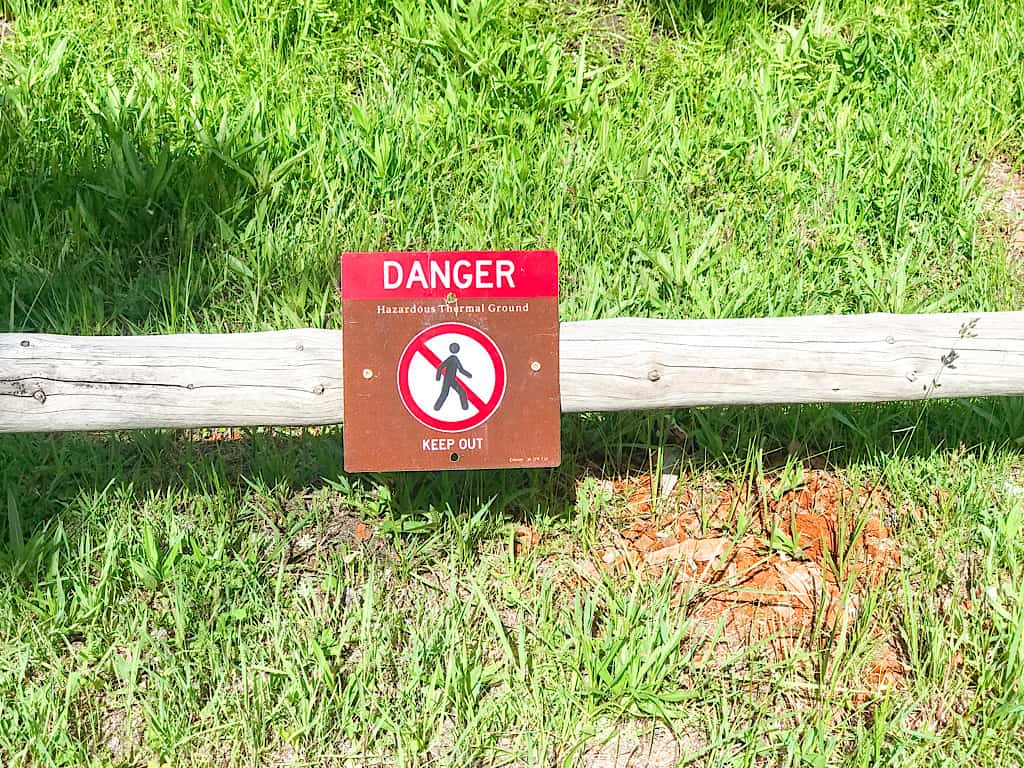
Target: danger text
442,273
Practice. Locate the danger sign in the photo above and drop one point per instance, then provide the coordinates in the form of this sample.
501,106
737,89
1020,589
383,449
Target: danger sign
450,360
451,377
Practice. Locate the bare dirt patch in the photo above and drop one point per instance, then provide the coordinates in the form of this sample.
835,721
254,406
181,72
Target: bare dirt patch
635,744
121,730
777,562
1004,186
339,526
605,26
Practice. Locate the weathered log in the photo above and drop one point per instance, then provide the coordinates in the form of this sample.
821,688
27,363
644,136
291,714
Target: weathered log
58,383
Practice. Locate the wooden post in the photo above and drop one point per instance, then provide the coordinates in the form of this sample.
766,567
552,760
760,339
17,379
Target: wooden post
58,383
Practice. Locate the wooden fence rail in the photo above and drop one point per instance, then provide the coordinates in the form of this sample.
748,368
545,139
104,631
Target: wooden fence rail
58,383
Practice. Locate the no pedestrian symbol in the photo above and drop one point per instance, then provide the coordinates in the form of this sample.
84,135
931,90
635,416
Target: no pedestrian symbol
450,360
451,377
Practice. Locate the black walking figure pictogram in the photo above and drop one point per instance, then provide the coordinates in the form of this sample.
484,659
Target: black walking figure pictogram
450,368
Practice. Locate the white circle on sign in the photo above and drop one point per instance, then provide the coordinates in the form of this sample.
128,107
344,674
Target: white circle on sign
451,377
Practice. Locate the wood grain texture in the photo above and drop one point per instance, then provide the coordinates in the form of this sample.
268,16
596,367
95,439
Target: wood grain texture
56,383
60,383
613,365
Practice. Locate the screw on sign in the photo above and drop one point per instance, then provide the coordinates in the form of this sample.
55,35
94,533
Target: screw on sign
451,377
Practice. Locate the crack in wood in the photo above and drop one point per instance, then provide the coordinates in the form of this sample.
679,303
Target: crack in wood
683,366
21,390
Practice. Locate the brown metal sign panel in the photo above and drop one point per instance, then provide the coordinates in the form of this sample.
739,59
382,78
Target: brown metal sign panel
450,360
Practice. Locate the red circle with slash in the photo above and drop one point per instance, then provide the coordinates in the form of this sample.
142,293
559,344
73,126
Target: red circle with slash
451,377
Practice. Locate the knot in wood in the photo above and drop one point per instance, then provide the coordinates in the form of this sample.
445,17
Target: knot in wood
26,343
40,396
318,389
654,374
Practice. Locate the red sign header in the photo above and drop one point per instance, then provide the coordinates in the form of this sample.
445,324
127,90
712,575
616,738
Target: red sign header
435,274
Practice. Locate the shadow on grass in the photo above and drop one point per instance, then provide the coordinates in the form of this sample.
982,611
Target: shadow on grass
135,232
45,472
683,17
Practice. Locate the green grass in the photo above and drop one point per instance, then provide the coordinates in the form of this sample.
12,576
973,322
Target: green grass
169,167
